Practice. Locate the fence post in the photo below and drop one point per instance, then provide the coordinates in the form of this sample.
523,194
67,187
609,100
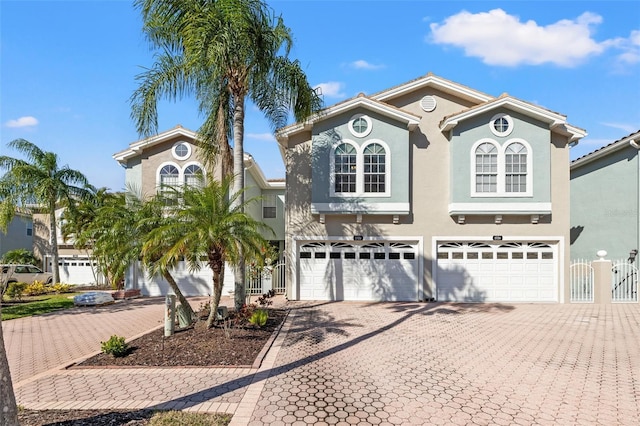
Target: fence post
602,278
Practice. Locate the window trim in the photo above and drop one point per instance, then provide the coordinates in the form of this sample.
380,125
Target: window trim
183,179
501,181
496,118
175,154
159,169
360,170
354,132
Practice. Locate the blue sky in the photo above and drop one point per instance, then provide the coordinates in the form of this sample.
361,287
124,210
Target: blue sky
68,67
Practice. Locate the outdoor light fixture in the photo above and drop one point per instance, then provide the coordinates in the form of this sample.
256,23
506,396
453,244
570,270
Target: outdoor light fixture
632,255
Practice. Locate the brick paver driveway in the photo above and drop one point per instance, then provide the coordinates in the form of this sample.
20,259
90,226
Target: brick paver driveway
410,363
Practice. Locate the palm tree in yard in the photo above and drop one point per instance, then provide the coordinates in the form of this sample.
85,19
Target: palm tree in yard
119,231
209,224
223,52
39,180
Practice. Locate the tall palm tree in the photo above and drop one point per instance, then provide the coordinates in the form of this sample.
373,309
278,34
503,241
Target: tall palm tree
209,224
223,52
120,229
38,180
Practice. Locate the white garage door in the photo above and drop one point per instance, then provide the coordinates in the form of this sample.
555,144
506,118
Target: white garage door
506,272
382,271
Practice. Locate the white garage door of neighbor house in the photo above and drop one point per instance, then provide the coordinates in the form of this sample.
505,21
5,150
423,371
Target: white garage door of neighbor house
381,271
505,272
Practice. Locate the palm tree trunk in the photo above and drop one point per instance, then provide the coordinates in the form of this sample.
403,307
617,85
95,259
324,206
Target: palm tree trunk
218,276
8,405
176,290
54,242
238,184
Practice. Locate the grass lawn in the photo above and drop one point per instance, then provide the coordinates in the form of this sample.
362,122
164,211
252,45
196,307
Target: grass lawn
35,305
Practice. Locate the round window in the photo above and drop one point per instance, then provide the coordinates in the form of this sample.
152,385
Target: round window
181,150
360,125
501,125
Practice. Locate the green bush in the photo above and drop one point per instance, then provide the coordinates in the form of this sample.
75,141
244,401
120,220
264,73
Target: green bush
115,346
259,317
16,290
36,288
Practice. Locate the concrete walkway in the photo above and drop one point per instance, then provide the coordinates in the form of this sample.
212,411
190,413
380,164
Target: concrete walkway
394,363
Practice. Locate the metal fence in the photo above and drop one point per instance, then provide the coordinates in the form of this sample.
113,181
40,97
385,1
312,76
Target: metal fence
581,278
259,281
624,282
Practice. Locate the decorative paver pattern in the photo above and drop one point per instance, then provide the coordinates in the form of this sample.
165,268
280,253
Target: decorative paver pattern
348,363
367,364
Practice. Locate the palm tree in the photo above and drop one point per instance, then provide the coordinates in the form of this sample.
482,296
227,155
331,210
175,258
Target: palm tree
38,180
211,224
8,405
223,52
120,229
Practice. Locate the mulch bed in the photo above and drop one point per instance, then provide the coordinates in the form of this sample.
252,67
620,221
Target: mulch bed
236,344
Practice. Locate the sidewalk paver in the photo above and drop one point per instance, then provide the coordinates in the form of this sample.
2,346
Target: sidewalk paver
397,363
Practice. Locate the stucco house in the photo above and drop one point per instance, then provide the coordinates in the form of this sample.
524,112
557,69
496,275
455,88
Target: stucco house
605,200
173,158
429,190
19,233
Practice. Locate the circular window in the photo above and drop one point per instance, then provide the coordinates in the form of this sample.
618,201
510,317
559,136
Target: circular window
181,150
360,125
501,124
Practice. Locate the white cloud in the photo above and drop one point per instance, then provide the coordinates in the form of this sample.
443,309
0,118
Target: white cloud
361,64
27,121
331,89
630,48
502,39
627,128
268,137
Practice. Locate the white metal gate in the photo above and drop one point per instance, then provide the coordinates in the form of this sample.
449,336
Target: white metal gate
581,279
624,282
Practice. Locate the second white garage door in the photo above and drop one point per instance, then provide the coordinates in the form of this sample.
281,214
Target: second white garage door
489,272
380,271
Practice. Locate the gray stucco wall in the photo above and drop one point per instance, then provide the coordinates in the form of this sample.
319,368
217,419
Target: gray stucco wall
332,131
467,133
604,206
16,236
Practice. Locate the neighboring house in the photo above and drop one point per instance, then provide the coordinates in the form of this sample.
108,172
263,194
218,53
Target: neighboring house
75,265
605,199
173,158
19,234
429,190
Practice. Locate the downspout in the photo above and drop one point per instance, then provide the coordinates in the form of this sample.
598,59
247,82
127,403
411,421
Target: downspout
635,144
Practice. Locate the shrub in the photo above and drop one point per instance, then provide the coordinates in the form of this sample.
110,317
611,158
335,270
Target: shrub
61,288
259,317
115,346
35,288
16,290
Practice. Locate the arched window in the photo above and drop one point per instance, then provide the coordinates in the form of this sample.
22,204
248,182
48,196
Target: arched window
515,161
193,176
375,168
169,176
345,168
486,168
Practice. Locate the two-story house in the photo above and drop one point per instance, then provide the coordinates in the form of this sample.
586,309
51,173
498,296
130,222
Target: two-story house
19,233
429,190
173,158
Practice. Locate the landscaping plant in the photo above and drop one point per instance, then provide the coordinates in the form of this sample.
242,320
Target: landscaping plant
115,346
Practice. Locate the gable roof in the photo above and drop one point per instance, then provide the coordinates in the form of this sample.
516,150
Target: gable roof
632,139
361,100
431,80
556,121
137,147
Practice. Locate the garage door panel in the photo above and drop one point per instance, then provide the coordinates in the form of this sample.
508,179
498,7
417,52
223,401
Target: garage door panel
365,271
512,271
